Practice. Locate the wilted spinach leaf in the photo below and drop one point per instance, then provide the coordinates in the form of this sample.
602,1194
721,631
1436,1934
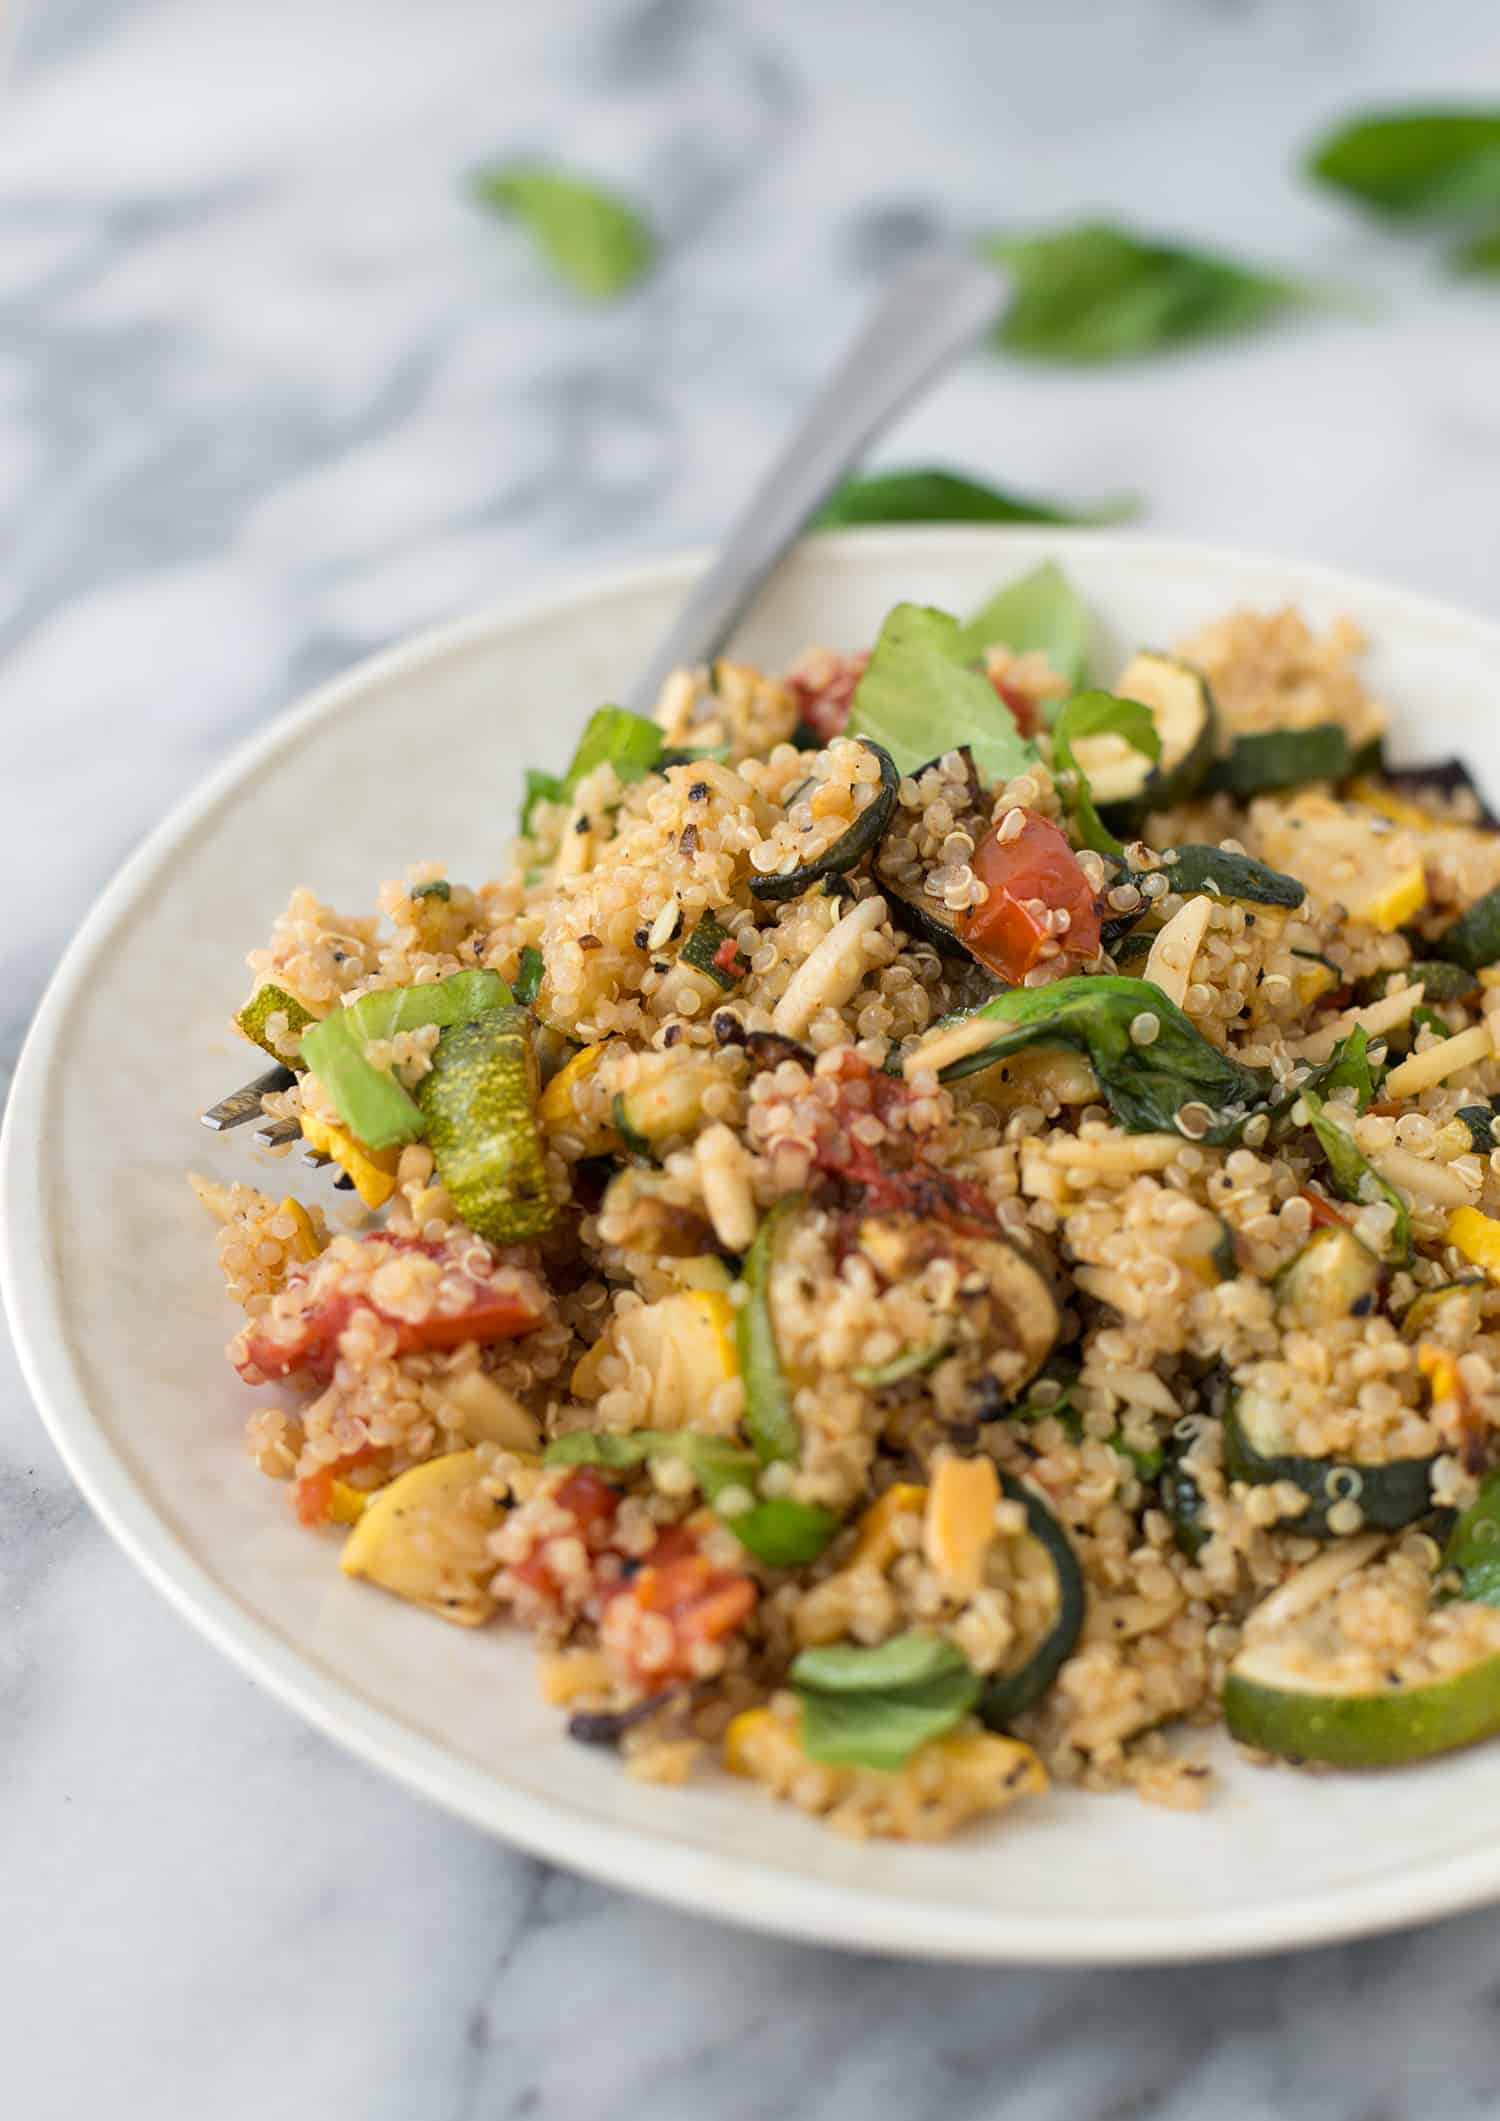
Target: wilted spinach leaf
592,238
932,496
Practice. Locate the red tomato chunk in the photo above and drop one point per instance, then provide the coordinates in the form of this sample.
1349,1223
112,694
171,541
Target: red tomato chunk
1032,879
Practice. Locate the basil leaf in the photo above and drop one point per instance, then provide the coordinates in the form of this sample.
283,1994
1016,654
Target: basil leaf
932,496
782,1533
591,237
1480,255
1473,1546
1144,1086
1098,293
1355,1177
612,736
1443,165
1346,1068
876,1707
529,976
919,697
1041,612
1099,714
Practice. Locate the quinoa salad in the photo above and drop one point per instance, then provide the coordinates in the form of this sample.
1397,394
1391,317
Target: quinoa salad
934,1232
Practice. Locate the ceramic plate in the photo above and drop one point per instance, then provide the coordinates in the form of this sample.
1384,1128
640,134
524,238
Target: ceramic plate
121,1319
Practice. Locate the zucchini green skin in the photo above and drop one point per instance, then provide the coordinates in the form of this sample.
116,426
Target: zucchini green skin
267,1001
1164,785
1332,1276
1473,1546
1228,876
1424,1313
528,979
1440,979
1366,1730
1388,1496
701,950
1269,759
863,836
1005,1696
1473,941
770,1420
1182,1501
635,1142
479,1104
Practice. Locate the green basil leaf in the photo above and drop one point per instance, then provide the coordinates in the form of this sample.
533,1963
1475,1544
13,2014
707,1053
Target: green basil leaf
1473,1546
1442,165
782,1533
876,1707
592,238
1480,256
1145,1086
919,697
1346,1068
1041,612
1099,714
932,496
1355,1177
612,736
1098,293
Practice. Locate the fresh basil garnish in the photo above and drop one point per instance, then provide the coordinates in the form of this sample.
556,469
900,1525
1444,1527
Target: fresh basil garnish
934,496
1099,293
1440,165
1354,1175
875,1707
1099,714
782,1533
1042,613
591,237
920,696
612,735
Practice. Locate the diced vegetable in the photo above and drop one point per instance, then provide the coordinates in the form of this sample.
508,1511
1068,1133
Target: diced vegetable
992,1269
1449,1316
1333,1276
1308,1694
919,697
1101,741
530,976
782,1533
1387,1495
874,1707
1477,1236
1354,1175
479,1102
267,1001
439,888
1218,874
770,1420
612,736
683,1343
426,1538
372,1170
1031,1673
1473,940
862,837
369,1100
1182,1500
712,950
911,1362
564,1107
1040,613
959,1526
1129,779
1030,878
1473,1546
1269,759
662,1098
1439,979
966,1775
1146,1084
1356,859
678,1584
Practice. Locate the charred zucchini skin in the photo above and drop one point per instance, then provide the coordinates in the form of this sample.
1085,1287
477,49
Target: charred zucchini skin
701,952
1270,759
265,1002
1165,783
863,836
1006,1696
1373,1730
1182,1501
479,1103
1473,941
1388,1496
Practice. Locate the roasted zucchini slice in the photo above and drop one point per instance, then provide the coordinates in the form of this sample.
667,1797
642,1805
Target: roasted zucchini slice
1333,1276
1007,1694
862,837
1122,780
479,1105
1387,1495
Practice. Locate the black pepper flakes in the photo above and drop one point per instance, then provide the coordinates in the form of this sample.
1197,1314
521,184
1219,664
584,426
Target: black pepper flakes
581,824
589,942
728,1029
641,938
698,793
672,1035
687,844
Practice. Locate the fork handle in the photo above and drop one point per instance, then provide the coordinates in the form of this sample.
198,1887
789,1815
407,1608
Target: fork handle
934,309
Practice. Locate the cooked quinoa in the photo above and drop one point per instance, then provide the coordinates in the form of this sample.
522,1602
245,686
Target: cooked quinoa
908,1292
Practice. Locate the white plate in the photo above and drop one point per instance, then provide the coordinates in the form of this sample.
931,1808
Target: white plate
121,1321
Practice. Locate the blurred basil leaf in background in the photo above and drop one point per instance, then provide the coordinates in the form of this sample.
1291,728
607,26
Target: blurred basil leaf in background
1439,165
592,238
1481,254
1098,293
932,496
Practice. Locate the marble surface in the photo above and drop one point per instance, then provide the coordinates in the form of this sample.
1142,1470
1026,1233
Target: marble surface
272,394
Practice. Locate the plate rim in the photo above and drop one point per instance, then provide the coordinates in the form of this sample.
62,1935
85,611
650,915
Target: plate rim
729,1887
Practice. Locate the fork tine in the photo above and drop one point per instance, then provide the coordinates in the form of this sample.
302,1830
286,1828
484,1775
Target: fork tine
276,1132
244,1103
316,1158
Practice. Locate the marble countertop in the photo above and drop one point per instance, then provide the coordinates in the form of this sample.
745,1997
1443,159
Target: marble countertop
271,394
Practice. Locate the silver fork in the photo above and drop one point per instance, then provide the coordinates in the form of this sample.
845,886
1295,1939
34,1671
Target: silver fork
934,310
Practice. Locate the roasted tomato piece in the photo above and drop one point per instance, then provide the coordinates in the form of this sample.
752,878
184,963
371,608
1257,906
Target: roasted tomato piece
677,1602
590,1502
894,1175
1033,878
428,1295
312,1496
822,685
1022,706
